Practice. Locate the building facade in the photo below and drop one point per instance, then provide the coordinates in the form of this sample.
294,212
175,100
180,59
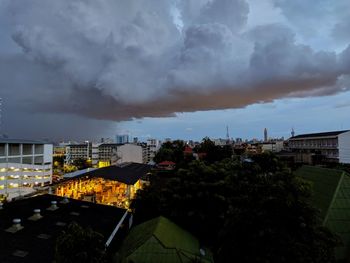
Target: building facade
24,165
130,153
78,151
121,139
333,146
152,147
104,154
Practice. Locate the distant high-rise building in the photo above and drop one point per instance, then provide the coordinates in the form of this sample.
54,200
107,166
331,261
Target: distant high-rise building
122,139
135,140
293,132
265,135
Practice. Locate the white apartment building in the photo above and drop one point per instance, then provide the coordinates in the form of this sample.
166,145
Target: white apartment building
24,165
130,153
272,146
104,152
153,145
78,151
335,146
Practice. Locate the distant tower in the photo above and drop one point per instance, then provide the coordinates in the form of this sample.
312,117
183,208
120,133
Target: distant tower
293,132
227,135
265,135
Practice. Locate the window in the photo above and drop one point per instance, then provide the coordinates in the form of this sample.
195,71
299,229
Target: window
27,149
38,160
14,149
27,160
14,160
2,149
39,149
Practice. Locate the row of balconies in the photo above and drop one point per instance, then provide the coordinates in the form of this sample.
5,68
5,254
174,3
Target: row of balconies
308,146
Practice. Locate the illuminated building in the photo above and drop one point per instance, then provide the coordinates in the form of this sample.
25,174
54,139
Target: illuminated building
23,166
112,185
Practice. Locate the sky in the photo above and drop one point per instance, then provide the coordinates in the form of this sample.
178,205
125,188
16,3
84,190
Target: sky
181,69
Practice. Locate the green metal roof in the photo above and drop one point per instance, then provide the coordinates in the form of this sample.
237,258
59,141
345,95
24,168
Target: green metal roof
324,183
331,195
160,240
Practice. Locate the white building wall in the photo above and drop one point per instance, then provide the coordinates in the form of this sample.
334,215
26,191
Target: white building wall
48,151
20,178
130,153
344,147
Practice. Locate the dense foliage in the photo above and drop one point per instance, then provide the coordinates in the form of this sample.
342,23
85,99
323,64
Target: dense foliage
252,211
79,245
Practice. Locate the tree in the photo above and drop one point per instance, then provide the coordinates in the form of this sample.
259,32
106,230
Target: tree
82,163
213,153
254,212
171,151
271,220
79,245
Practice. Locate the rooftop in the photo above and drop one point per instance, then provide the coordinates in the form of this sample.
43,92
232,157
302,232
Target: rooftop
160,240
128,173
8,140
320,134
36,241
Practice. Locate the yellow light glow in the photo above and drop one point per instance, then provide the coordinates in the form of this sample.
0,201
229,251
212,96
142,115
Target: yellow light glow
102,164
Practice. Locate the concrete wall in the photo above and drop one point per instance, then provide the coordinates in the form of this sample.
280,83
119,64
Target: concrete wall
130,153
344,147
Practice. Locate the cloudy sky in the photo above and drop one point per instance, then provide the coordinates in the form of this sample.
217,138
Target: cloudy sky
84,69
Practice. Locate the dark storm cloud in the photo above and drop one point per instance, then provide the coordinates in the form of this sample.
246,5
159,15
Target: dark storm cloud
118,60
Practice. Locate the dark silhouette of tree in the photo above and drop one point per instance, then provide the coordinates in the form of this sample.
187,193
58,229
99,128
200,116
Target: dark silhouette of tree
246,212
171,151
79,245
81,163
213,153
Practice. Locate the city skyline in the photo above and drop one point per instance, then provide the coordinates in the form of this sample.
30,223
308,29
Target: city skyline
179,69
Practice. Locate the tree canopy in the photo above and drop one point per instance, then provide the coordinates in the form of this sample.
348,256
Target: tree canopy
79,245
246,212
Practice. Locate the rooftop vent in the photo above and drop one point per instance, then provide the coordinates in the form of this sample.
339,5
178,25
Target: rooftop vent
44,236
74,213
53,206
20,253
60,223
65,200
36,216
16,226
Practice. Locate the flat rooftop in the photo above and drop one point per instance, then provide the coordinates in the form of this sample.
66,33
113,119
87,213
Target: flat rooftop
36,241
24,141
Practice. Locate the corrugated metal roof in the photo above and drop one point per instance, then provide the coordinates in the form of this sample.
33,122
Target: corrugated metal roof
160,240
324,183
331,195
